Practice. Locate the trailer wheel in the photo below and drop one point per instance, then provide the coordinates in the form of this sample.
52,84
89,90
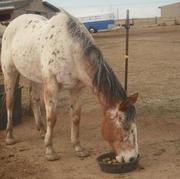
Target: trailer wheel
92,30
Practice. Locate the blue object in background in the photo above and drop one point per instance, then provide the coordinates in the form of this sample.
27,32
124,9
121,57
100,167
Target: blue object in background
99,25
95,23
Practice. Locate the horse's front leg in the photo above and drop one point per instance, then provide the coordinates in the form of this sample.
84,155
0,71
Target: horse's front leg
50,99
75,122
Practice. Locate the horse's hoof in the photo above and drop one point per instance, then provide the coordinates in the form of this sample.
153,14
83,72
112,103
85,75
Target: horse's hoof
52,157
10,141
82,153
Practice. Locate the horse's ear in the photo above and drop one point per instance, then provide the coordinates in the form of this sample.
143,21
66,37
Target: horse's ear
130,100
133,98
123,105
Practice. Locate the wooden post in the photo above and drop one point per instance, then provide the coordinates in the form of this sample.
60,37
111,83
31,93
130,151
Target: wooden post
127,27
156,20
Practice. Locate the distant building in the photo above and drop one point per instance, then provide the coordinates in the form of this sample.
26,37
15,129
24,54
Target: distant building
9,9
170,11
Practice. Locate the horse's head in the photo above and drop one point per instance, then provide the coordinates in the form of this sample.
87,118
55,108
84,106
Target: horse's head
119,129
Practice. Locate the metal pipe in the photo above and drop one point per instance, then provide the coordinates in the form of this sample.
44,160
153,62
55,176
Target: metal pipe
127,27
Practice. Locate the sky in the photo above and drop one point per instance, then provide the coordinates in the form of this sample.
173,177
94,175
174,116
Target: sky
138,8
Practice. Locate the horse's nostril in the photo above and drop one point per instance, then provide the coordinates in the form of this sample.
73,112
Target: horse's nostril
131,159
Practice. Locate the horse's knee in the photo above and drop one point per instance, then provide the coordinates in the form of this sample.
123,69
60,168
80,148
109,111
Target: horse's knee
9,101
51,118
76,115
76,120
9,97
37,112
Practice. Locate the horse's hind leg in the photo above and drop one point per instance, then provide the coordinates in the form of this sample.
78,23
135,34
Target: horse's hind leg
35,104
75,122
10,78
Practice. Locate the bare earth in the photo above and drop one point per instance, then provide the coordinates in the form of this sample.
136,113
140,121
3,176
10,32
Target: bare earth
154,71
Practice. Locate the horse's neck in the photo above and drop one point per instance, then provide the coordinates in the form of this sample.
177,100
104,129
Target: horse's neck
86,75
105,105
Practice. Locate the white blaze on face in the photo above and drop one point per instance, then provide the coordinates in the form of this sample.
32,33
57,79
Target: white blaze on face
127,154
134,133
117,116
130,140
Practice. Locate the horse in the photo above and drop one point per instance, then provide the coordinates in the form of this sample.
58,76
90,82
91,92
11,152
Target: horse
59,53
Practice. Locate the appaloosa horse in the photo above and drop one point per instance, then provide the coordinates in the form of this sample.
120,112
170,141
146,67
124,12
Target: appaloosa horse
60,53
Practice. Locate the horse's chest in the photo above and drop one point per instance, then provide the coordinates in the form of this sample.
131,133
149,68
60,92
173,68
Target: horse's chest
67,79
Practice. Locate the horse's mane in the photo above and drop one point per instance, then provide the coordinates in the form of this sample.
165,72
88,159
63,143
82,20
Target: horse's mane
104,81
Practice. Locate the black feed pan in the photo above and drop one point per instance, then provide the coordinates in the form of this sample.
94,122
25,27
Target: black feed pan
116,167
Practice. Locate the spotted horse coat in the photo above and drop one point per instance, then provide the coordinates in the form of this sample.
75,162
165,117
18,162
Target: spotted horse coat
60,54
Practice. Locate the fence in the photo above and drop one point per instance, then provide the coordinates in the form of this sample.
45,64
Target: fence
151,21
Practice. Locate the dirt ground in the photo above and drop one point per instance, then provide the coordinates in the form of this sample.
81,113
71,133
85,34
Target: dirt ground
154,64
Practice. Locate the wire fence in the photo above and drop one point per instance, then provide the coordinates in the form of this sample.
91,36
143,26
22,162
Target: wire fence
154,21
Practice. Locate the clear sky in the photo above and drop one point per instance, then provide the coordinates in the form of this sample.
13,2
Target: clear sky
138,8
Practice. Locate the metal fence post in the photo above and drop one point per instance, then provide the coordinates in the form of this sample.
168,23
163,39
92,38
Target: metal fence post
127,27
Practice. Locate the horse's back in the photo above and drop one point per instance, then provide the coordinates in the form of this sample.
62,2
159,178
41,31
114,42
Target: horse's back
21,25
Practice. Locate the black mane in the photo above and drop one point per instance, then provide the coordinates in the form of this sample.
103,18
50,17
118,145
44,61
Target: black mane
105,81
